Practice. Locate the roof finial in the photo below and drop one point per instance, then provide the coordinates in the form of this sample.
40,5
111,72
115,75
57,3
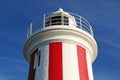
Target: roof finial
60,9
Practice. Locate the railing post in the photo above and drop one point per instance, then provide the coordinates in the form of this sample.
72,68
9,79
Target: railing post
91,31
44,21
28,33
80,22
50,21
62,19
30,28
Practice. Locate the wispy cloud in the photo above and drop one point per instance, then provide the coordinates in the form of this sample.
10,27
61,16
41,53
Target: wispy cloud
6,77
12,60
112,43
106,75
103,77
12,69
16,63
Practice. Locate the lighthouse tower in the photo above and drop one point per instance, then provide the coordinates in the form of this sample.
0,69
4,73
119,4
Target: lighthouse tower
60,46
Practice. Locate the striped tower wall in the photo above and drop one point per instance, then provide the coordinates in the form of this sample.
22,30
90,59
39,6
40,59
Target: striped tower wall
60,61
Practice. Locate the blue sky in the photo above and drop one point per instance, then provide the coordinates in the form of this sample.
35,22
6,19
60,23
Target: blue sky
16,15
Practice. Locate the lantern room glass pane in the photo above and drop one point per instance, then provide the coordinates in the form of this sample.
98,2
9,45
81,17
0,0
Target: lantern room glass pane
56,20
66,20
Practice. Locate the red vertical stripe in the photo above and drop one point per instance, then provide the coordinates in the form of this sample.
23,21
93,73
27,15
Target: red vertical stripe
82,63
31,68
55,61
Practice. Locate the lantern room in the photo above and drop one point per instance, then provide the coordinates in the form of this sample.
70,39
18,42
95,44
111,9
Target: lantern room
59,17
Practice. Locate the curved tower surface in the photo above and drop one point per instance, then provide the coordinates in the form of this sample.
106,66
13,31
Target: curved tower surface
60,46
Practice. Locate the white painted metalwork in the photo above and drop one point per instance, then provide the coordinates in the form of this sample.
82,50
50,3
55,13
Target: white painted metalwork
40,23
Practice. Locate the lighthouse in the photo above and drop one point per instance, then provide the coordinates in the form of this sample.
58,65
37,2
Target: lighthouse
60,46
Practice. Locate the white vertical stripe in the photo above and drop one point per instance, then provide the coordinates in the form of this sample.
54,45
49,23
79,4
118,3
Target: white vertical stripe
70,62
42,70
89,66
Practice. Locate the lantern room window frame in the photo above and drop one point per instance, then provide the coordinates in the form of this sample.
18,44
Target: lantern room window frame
56,20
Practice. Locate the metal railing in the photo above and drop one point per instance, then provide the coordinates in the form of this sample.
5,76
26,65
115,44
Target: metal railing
40,23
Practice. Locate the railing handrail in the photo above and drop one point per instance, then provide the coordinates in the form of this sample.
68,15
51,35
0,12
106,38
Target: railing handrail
39,23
